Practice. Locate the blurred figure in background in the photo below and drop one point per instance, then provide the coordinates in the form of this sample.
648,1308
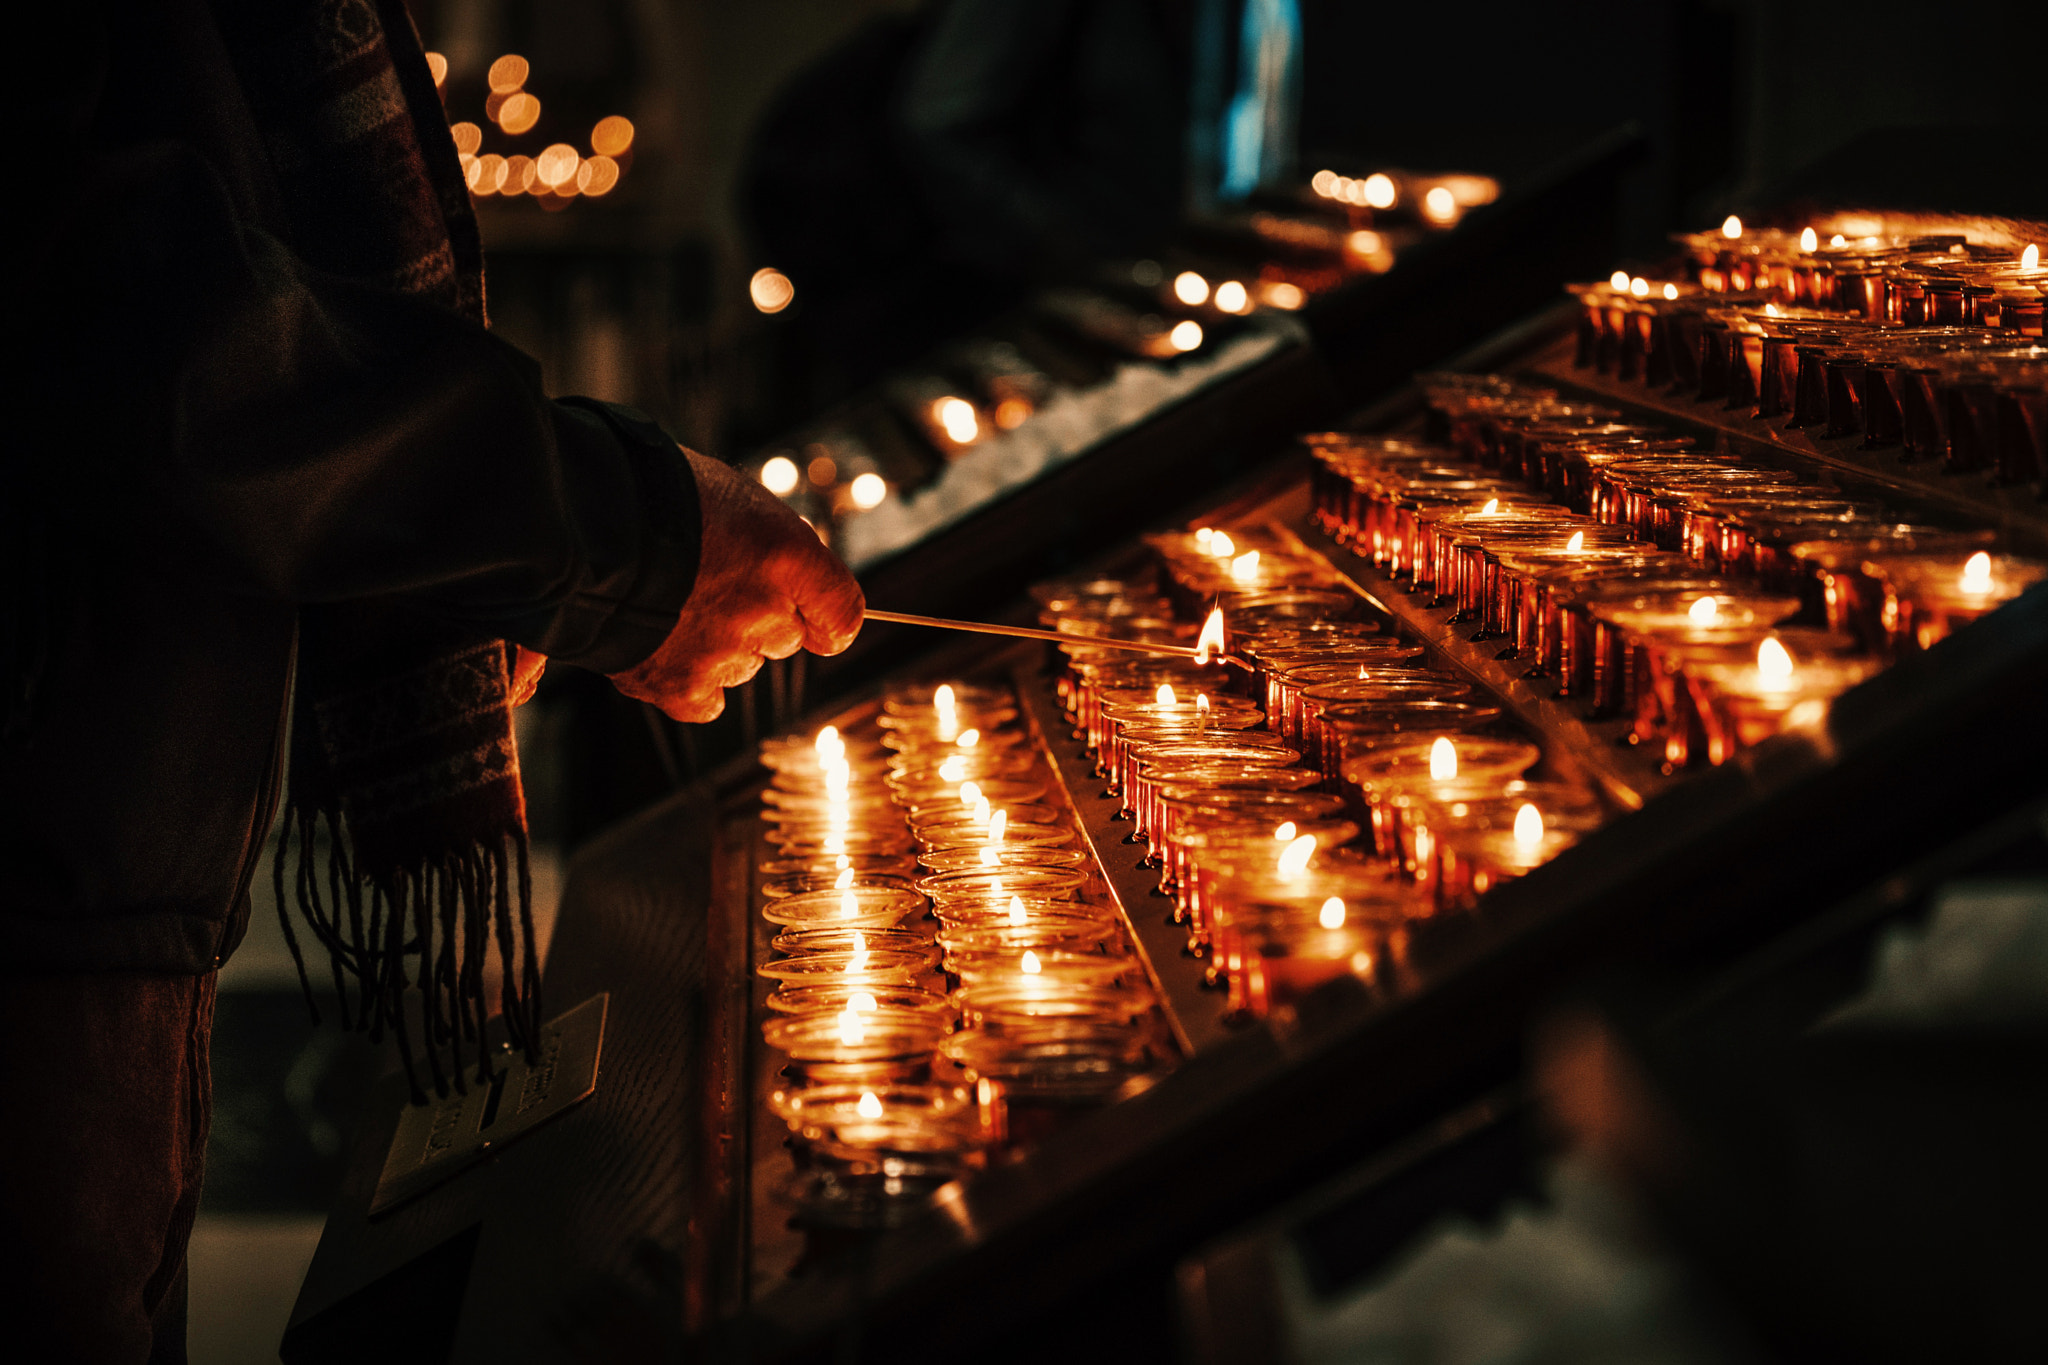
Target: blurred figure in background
925,174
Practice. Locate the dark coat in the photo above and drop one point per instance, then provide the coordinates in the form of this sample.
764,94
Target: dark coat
208,434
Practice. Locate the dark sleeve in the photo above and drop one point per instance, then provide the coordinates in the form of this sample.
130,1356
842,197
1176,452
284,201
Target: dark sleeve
317,440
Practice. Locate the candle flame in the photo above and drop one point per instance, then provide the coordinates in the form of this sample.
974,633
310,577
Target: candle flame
1186,335
1293,860
982,810
829,741
996,824
1731,228
1576,543
968,739
2030,259
953,769
1190,288
1232,297
970,794
1670,291
1203,535
1331,916
1016,909
852,1031
1210,642
1977,573
1774,663
1704,610
859,961
862,1001
1618,281
1838,240
1492,506
1443,759
1809,240
842,862
1221,545
943,697
1639,287
845,880
1380,191
958,417
1030,965
869,1107
849,904
1165,695
987,856
1770,310
1528,827
1245,567
1285,831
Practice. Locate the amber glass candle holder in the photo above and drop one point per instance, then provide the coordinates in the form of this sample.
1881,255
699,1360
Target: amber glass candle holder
1219,852
1481,844
1444,767
855,907
1927,597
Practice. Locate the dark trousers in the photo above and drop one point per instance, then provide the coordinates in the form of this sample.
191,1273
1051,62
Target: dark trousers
105,1097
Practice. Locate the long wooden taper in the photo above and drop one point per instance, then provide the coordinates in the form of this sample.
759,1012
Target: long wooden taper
1030,633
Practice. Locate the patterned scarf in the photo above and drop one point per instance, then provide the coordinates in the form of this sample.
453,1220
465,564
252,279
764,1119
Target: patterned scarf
402,752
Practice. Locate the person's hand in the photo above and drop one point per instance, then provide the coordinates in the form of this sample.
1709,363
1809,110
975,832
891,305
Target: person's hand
765,588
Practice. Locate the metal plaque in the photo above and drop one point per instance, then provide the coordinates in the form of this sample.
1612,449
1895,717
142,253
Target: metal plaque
437,1139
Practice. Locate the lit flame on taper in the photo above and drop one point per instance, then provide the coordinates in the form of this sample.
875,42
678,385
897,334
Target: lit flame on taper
1443,759
1210,642
1293,860
1528,827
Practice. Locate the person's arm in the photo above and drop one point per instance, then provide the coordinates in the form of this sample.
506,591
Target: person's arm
316,440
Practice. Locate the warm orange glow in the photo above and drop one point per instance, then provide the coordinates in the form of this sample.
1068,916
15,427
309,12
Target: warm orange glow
1774,664
1492,506
968,739
862,1001
829,742
1221,545
1202,707
557,165
490,174
1012,413
1838,240
1771,309
1284,296
1528,828
437,67
1977,574
468,137
1030,965
1324,183
1293,860
1191,289
1670,291
1210,641
1618,281
1016,910
982,810
507,74
849,904
998,823
1639,287
1245,567
1809,240
519,177
956,417
1703,611
859,961
944,698
1380,191
469,168
770,290
852,1032
869,1107
1731,227
845,880
1443,759
1439,205
612,136
1185,336
1232,298
1576,543
519,113
822,471
1285,831
868,492
779,476
1165,695
2030,259
1364,243
1331,916
597,176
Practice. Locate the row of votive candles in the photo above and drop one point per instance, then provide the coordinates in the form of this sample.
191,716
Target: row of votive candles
943,978
1315,790
1932,345
1711,600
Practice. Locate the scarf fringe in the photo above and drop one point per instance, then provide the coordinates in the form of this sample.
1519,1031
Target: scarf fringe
470,895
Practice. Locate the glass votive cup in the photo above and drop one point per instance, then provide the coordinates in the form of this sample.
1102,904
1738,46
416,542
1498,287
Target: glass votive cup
1015,998
837,940
1155,756
1928,597
1851,594
1287,956
891,864
783,887
1349,727
1061,1061
920,780
994,912
1000,791
856,1036
813,841
1055,967
1258,896
1072,934
1216,853
1441,767
975,835
1168,780
1239,726
856,907
944,815
916,699
999,884
1001,855
899,968
1744,705
836,997
1189,810
910,1119
1478,844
